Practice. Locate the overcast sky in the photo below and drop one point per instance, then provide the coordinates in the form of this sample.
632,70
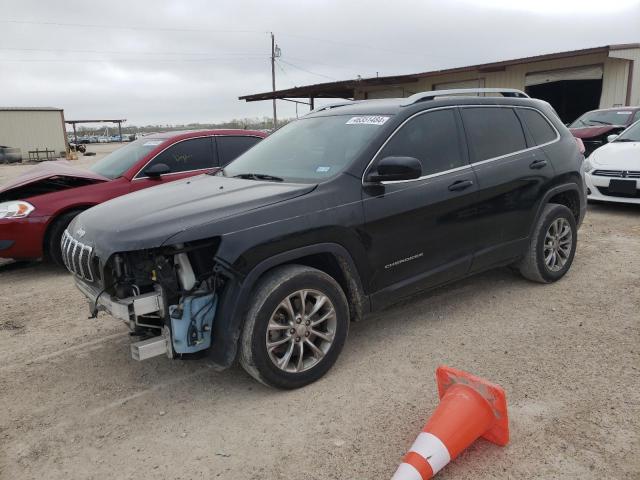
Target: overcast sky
181,61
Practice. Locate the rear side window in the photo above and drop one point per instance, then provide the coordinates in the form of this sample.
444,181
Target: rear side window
433,138
187,155
537,125
492,132
231,148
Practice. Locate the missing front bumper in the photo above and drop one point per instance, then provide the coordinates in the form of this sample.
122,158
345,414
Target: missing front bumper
126,309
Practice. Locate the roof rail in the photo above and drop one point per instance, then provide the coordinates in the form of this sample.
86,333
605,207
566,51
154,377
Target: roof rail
423,96
332,105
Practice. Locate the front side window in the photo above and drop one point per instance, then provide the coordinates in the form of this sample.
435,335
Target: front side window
231,147
308,150
432,138
187,155
539,128
492,132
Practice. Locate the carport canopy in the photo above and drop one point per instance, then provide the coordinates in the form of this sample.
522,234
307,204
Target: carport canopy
117,121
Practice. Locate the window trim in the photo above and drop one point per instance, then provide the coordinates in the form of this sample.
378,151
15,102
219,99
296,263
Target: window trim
431,175
471,164
517,152
136,177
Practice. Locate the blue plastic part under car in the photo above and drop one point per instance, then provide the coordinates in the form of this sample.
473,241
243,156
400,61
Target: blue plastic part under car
192,322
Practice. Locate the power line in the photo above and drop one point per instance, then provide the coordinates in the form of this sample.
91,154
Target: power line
122,52
128,27
370,47
307,71
137,60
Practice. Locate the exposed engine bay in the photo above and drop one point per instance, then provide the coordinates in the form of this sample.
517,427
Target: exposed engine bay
43,186
168,296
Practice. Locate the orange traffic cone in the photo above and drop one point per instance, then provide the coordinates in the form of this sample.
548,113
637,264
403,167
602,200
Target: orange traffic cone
470,408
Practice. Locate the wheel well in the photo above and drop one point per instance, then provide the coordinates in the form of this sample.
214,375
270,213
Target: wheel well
340,270
47,233
569,199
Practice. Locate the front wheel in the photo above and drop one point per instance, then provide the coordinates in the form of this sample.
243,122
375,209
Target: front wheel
53,247
552,246
295,327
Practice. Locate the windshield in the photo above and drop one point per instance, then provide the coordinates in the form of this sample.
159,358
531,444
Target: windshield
631,134
116,163
307,150
603,117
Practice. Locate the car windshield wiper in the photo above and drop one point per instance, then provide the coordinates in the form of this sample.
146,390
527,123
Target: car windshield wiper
625,140
600,122
259,176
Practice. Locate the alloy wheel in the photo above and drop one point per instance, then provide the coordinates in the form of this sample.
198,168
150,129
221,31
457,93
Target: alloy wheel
558,242
301,331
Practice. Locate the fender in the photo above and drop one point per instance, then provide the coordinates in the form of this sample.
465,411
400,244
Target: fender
565,187
236,296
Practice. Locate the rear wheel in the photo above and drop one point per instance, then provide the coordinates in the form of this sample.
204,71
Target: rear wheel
54,237
552,246
295,328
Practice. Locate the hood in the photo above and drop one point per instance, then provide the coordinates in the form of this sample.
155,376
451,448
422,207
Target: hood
591,132
149,217
48,177
617,156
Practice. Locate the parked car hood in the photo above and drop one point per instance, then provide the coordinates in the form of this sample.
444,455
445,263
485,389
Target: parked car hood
617,156
591,132
47,177
149,217
57,168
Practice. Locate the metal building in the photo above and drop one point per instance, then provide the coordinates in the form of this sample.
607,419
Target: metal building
573,82
38,132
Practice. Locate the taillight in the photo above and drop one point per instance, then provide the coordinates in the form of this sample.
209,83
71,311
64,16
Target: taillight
580,145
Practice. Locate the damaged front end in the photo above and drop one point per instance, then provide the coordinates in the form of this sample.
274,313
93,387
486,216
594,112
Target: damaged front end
168,296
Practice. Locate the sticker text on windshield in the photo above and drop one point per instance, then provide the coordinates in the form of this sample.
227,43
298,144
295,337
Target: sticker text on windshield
367,120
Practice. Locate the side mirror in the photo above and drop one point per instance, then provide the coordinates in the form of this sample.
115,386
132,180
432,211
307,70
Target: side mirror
611,138
154,171
391,169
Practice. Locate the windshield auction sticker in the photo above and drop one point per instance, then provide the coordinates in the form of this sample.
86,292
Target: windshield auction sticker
152,143
368,120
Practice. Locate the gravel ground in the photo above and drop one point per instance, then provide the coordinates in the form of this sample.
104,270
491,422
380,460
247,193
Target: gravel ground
76,406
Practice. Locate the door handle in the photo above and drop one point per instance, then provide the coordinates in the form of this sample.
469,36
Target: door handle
538,164
460,185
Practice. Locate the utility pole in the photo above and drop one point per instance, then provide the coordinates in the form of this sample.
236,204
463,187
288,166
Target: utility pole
275,53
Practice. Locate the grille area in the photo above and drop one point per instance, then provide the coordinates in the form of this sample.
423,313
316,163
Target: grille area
605,191
617,173
77,257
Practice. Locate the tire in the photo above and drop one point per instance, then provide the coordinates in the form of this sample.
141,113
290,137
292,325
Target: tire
533,266
53,250
268,308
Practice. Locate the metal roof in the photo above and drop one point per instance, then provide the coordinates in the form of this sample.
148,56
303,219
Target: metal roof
30,109
346,88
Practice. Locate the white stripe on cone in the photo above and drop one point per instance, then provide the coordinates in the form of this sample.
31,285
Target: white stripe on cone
429,447
406,472
432,449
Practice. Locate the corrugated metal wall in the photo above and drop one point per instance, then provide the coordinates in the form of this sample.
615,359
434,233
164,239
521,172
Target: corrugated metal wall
634,55
32,129
614,81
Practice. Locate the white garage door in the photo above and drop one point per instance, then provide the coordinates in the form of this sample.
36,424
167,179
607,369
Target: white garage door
476,83
389,93
592,72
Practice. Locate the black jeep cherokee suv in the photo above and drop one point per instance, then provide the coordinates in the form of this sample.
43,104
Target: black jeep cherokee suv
342,212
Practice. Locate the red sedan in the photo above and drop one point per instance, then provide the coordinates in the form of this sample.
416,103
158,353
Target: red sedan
37,206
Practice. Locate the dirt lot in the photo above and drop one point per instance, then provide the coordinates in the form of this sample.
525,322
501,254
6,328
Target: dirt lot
74,404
